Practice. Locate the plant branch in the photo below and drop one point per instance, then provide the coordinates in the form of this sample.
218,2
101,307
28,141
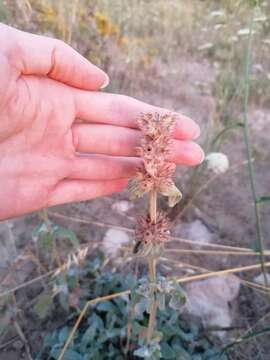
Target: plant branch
23,338
248,148
152,269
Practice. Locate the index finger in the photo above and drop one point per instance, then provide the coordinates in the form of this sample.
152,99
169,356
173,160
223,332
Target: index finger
121,110
35,54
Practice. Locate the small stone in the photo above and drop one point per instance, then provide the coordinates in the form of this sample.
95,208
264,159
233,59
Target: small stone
113,240
209,299
18,345
122,206
196,231
260,279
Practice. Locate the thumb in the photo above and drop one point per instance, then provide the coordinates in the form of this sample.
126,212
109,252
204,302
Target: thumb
45,56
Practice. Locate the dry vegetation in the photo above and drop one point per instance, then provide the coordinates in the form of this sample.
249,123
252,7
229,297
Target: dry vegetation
191,57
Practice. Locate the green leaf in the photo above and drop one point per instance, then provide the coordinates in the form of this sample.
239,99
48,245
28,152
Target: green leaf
168,330
72,355
263,199
46,241
64,233
166,351
39,230
181,353
50,339
138,329
106,306
94,318
143,352
43,305
178,298
161,301
143,305
255,246
63,334
89,334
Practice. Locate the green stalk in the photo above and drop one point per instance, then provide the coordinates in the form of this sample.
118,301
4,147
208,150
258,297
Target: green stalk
45,217
248,149
152,270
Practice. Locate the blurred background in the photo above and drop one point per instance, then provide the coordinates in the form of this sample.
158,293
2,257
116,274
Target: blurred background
192,57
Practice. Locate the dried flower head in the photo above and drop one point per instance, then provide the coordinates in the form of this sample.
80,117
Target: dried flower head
156,145
150,235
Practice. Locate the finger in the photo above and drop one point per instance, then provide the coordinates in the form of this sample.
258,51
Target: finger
101,167
79,190
186,153
121,141
122,110
41,55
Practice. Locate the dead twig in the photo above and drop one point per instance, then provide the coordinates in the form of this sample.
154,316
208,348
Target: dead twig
23,338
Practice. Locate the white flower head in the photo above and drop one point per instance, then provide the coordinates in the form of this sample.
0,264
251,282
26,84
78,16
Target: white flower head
217,162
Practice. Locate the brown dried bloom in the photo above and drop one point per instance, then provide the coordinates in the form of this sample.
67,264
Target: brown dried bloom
150,235
156,145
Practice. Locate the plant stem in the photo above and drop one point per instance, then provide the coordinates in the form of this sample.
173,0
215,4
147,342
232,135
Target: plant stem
152,319
23,338
248,149
153,217
45,217
152,270
153,206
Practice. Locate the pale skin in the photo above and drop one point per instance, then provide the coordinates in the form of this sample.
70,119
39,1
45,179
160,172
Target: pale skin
51,112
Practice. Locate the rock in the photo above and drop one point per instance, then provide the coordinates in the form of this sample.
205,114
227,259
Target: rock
261,123
209,299
18,345
122,206
260,279
257,68
113,240
196,231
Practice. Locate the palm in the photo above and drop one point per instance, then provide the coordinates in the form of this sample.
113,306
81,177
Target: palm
42,140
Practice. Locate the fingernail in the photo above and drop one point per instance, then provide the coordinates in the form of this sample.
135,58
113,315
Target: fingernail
106,82
202,158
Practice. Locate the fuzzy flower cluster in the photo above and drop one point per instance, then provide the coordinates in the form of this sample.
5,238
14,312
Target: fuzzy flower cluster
150,235
156,174
217,162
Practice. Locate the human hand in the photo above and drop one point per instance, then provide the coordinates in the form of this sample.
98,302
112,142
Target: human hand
50,112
